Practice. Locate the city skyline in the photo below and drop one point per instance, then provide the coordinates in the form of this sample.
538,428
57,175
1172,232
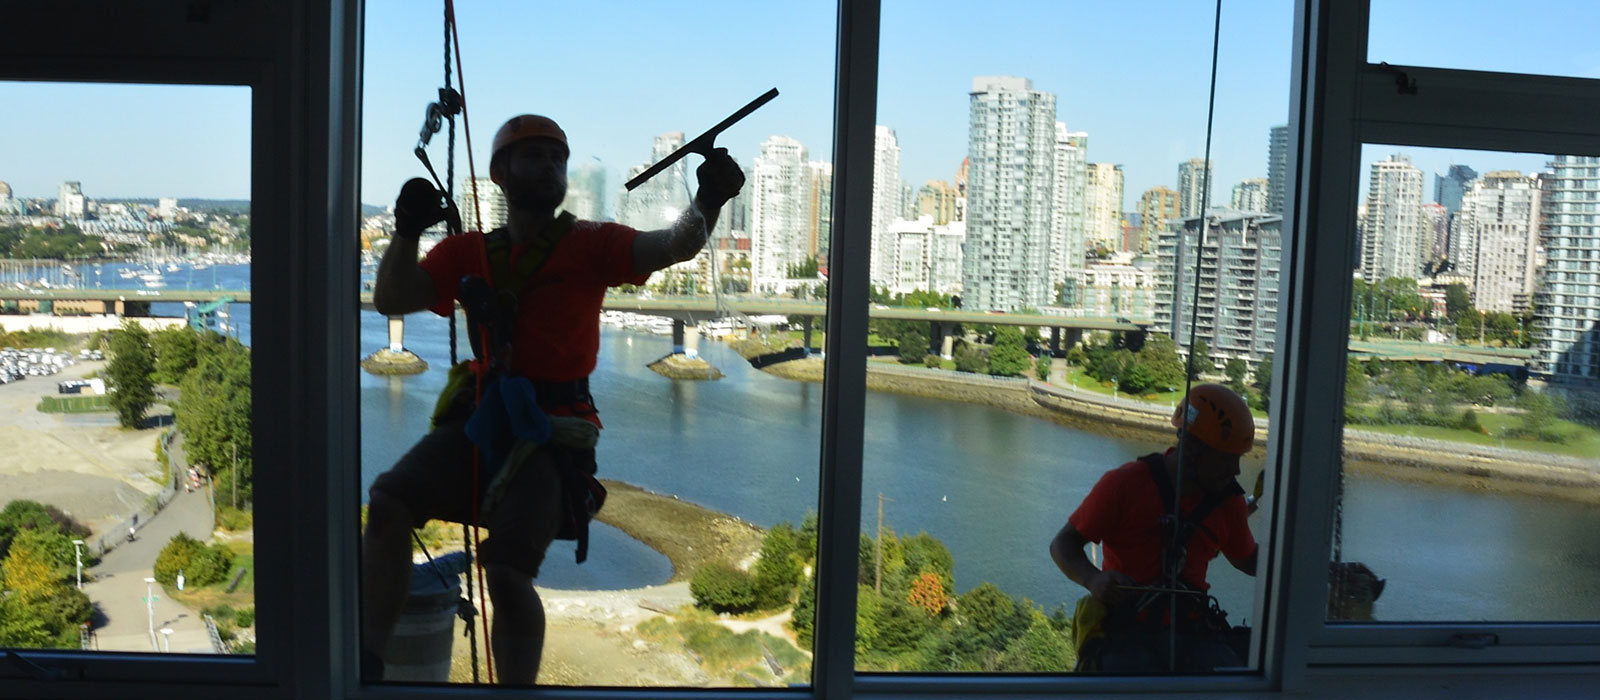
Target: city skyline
923,93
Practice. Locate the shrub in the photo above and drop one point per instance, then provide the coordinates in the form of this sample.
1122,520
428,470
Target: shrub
200,564
723,588
1469,421
932,361
245,617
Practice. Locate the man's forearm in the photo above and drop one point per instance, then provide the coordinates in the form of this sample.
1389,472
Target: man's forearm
394,292
655,250
1068,554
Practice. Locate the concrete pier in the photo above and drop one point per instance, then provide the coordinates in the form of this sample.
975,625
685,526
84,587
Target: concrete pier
395,359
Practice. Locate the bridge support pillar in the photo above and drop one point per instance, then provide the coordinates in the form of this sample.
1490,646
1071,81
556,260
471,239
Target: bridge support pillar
395,359
947,348
1067,337
685,361
805,333
1055,341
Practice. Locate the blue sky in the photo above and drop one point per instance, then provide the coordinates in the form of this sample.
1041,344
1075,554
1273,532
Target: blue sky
617,73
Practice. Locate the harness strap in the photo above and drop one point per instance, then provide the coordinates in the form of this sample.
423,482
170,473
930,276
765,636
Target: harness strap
497,245
1195,518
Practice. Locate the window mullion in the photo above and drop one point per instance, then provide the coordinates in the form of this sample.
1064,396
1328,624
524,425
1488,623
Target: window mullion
845,377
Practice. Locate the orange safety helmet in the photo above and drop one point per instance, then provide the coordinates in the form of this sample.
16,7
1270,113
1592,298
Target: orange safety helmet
522,127
1218,417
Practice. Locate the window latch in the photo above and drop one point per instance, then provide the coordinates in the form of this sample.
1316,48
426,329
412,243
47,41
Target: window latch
1474,641
1403,83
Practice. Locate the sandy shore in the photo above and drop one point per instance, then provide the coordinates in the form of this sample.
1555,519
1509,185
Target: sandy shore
83,464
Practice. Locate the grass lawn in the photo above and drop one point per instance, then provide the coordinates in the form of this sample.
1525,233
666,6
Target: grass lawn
202,597
1584,441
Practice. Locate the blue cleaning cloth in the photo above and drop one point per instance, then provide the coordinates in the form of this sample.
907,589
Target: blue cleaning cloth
509,406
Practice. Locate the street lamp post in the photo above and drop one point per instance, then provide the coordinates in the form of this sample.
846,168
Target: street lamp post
77,550
150,608
166,639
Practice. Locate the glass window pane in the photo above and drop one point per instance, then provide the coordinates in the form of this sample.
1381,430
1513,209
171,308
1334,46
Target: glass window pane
125,370
1484,35
1470,438
700,556
1037,227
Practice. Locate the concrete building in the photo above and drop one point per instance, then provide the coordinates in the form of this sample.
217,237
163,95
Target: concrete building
1157,206
927,255
658,202
780,212
1450,186
1011,163
1500,212
819,196
1567,311
1103,213
886,203
1435,234
1194,175
70,203
1119,288
1251,194
1277,167
488,209
938,200
1392,241
1238,287
1069,213
8,204
586,192
167,208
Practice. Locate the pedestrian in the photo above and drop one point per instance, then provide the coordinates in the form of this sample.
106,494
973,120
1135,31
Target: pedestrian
533,292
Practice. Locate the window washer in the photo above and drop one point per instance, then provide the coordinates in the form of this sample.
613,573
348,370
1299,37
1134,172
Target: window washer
1125,622
536,288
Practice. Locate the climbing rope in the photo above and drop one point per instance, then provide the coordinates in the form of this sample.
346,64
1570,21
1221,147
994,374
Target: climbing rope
439,113
1174,564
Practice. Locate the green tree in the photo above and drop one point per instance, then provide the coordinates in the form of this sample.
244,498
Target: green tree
214,416
129,374
913,344
721,587
1041,369
969,359
1262,381
1040,649
1009,356
1236,370
1457,301
778,568
32,569
1159,357
176,351
1138,379
803,618
993,617
1199,359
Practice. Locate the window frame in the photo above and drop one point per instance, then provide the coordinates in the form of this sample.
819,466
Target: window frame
302,180
1448,109
302,59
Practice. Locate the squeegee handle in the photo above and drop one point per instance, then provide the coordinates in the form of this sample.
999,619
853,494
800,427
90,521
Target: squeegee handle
704,143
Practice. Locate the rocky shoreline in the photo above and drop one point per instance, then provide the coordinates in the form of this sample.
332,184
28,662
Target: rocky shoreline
1366,452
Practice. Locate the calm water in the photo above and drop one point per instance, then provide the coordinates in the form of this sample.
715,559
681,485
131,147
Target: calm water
993,486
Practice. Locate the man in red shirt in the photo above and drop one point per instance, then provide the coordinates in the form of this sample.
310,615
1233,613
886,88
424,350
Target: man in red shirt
1129,515
554,338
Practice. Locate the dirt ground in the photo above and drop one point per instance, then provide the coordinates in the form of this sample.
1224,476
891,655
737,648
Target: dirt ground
83,464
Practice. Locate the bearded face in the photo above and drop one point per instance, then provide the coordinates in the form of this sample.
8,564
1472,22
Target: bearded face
533,174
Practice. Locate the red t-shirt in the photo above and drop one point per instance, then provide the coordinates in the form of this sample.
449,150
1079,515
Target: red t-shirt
558,315
1123,512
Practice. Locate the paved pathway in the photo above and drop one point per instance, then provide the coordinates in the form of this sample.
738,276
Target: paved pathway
119,587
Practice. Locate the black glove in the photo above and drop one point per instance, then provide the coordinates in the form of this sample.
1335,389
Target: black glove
720,178
418,207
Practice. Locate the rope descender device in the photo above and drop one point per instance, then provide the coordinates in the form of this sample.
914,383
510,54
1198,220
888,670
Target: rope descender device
447,107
